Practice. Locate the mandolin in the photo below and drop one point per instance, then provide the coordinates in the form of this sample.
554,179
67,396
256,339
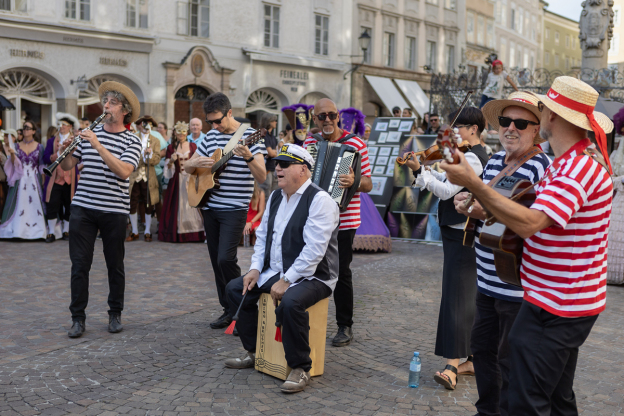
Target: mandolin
204,180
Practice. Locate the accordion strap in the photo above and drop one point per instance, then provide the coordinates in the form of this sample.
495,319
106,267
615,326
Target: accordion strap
320,138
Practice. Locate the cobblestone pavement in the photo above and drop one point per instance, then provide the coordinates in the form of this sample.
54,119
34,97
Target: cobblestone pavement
168,361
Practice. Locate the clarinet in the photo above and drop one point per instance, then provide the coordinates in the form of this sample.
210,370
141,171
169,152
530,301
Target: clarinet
77,140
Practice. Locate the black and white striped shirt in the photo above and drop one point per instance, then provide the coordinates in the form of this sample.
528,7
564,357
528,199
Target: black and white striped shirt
488,282
236,181
99,188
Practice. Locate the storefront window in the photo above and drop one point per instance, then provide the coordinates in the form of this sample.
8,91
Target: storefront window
78,9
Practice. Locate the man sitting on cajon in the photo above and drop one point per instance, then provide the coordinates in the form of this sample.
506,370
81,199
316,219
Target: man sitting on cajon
295,260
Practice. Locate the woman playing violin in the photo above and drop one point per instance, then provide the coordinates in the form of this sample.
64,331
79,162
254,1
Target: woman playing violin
459,275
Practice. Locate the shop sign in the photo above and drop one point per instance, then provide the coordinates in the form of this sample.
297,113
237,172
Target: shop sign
294,78
23,53
113,61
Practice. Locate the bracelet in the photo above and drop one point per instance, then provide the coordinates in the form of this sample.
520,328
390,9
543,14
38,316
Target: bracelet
251,159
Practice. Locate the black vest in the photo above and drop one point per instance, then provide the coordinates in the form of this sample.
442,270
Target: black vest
447,214
292,239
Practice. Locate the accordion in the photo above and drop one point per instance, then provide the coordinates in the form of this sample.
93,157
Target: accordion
330,161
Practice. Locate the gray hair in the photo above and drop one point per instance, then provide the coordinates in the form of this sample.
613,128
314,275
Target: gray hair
266,120
125,105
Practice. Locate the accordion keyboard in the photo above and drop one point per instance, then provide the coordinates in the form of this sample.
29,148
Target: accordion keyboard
342,168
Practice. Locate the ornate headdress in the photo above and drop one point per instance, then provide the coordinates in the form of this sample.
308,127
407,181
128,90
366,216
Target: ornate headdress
352,120
181,126
299,116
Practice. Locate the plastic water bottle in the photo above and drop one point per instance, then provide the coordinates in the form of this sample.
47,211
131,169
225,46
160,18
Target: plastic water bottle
414,373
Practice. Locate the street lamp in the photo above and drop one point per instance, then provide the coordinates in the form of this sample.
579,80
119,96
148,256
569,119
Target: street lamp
364,41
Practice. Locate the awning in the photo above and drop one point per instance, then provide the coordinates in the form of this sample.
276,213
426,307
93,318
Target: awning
388,93
415,95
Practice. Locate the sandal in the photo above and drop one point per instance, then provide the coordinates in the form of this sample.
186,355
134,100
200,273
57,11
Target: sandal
445,380
467,373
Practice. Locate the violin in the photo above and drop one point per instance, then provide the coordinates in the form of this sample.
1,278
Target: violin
445,147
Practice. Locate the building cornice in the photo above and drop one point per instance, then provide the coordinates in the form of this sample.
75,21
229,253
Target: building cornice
282,58
67,35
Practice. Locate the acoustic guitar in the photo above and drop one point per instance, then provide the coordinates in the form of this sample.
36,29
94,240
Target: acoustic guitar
505,243
204,180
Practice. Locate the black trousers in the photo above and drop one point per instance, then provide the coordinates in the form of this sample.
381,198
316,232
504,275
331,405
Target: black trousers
544,351
291,313
83,228
343,294
224,230
60,201
490,347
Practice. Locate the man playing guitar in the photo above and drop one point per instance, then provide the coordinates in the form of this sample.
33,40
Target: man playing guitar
564,263
225,213
517,120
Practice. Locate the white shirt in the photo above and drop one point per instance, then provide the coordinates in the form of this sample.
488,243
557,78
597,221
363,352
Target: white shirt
322,220
436,182
61,140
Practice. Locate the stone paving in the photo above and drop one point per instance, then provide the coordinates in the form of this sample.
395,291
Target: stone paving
167,361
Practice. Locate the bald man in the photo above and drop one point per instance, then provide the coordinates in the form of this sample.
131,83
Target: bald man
326,118
196,136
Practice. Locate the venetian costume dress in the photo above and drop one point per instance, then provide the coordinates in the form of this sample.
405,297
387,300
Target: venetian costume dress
180,222
24,213
372,234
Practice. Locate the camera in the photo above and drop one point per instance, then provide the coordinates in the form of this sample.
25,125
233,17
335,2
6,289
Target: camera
491,58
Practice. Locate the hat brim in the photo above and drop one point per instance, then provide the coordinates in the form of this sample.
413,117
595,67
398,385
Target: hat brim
287,158
493,109
126,92
575,117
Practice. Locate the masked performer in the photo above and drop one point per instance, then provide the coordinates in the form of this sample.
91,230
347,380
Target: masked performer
299,116
180,222
24,210
143,181
59,188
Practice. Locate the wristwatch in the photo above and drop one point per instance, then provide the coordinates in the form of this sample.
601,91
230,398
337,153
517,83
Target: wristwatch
251,159
285,279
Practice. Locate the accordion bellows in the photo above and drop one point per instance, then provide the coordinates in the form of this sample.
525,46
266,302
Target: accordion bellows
330,161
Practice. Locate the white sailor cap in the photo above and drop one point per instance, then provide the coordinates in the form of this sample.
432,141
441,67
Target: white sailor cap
294,153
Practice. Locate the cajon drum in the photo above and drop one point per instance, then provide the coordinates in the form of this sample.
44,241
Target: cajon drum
270,358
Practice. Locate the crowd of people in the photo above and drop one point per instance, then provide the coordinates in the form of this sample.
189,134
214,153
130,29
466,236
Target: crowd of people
520,341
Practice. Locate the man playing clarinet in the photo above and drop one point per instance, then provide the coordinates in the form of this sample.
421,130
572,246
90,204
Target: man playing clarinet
564,261
295,260
110,153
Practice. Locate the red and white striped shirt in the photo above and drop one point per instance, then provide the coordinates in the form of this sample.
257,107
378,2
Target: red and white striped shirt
350,219
564,266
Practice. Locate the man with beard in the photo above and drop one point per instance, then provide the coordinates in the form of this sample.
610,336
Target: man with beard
498,303
110,153
326,117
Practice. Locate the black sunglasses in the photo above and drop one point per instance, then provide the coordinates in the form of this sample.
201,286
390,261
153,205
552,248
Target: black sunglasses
519,123
28,128
323,116
217,121
284,164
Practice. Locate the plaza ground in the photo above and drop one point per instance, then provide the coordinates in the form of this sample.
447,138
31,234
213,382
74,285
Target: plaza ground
168,361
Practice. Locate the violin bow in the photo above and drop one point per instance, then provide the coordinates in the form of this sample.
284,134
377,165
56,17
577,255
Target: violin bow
461,108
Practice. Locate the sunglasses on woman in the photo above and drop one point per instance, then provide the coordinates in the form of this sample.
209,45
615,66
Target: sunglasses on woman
323,116
284,164
520,124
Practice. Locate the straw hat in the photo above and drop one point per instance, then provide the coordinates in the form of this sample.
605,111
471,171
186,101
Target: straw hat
126,92
493,109
572,99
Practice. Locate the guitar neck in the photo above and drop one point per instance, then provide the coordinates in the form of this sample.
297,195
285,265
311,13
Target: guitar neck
224,159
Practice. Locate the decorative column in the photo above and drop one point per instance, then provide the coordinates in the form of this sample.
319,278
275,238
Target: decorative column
596,26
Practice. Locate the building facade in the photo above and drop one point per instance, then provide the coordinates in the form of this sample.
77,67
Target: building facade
479,33
410,39
616,53
562,49
518,32
172,54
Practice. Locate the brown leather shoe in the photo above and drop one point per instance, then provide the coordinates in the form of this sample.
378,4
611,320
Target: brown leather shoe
132,237
148,237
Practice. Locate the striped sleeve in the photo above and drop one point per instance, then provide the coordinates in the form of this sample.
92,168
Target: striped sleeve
132,154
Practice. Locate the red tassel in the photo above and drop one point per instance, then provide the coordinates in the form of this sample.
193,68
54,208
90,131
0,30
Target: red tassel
278,334
230,329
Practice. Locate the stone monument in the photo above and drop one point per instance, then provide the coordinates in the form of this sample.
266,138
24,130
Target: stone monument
596,26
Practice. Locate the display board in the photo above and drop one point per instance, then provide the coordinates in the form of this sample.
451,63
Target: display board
408,212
